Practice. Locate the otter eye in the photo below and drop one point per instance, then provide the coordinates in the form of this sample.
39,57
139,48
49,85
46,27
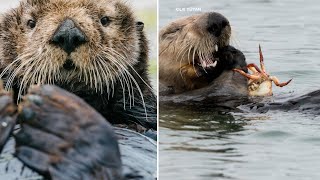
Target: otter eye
105,21
31,24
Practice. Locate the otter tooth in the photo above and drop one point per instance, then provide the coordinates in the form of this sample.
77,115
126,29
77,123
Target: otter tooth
204,64
214,64
216,48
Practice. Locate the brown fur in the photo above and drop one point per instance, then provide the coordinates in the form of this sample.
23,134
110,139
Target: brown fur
110,69
181,42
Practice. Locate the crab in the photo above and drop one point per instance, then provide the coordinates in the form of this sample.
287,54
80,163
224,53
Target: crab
260,82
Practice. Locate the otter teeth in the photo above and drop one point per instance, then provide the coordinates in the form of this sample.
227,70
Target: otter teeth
209,64
216,48
214,64
203,64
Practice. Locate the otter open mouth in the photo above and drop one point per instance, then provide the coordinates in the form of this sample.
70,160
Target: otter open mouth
209,61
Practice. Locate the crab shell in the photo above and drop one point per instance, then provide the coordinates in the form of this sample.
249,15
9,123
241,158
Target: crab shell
260,87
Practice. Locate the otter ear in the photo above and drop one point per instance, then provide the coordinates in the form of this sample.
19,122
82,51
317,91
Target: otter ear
139,25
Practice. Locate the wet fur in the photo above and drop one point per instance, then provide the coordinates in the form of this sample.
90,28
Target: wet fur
219,87
226,89
180,43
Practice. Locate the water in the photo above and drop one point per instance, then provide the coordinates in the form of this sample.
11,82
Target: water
201,144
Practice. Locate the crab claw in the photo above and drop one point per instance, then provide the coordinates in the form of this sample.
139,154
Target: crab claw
261,60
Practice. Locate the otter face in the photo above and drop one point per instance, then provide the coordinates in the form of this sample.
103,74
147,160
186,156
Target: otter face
88,44
195,39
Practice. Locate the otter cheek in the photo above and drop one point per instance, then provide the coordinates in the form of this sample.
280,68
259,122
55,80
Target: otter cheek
191,35
111,33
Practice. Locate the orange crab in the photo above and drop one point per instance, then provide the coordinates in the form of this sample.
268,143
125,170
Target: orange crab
260,82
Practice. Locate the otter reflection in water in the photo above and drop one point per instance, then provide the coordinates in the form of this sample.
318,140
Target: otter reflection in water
97,51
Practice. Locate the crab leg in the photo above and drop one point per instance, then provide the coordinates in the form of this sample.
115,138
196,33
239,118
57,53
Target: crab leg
261,60
254,68
277,82
249,76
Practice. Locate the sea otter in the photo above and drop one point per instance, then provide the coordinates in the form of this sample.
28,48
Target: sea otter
192,52
196,62
96,50
198,67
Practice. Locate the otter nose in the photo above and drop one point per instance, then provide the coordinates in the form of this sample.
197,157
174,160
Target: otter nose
216,23
68,36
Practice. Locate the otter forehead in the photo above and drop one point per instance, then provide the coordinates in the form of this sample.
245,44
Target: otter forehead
43,6
197,25
60,9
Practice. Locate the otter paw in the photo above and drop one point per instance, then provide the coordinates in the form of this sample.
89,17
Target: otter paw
62,137
7,116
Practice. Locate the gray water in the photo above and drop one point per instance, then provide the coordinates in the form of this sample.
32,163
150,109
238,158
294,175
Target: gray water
201,144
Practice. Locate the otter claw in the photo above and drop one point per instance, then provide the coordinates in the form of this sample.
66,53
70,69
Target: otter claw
260,82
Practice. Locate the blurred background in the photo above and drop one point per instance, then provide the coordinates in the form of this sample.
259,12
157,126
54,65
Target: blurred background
196,143
4,5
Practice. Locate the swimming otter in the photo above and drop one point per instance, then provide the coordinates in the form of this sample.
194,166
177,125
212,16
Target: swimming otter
189,48
96,50
196,62
218,87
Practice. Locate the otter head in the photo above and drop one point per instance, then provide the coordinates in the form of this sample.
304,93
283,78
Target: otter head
78,44
195,39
